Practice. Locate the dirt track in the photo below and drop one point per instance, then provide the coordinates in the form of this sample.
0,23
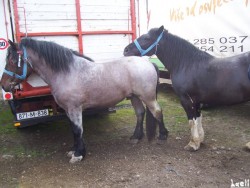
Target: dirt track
35,156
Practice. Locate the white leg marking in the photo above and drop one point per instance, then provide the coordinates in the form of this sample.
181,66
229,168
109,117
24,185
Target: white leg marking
70,154
75,115
75,159
195,140
155,109
200,129
248,145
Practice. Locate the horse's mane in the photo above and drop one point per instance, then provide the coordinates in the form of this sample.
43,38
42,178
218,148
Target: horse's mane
55,55
82,55
178,50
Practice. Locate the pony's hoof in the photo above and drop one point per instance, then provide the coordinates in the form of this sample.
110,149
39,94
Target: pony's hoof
190,148
247,146
75,159
70,154
133,140
161,142
163,137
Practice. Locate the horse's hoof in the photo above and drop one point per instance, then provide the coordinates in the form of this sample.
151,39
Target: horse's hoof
247,146
161,142
163,137
134,141
190,148
75,159
70,154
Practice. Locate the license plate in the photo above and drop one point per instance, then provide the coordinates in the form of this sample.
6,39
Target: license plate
33,114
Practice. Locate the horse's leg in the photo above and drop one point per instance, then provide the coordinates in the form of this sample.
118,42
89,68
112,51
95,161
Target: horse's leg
156,111
140,112
200,128
248,146
195,122
75,116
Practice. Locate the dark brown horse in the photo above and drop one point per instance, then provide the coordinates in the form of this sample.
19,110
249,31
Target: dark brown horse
197,77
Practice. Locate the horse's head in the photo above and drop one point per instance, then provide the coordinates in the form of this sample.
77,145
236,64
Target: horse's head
16,68
145,44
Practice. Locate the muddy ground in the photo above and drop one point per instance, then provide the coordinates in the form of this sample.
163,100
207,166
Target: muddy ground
36,156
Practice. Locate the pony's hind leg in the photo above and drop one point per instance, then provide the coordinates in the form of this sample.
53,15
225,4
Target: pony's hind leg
156,111
140,112
79,151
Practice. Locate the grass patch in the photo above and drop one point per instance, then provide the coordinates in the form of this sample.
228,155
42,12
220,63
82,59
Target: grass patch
175,117
6,120
20,151
110,126
96,127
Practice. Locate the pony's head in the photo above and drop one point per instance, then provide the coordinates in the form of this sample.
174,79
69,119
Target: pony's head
145,44
17,68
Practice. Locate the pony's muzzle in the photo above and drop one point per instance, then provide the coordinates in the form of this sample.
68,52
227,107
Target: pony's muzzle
9,87
4,89
125,52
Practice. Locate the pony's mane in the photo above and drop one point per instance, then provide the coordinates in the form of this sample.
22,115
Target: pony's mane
55,55
179,51
82,55
186,49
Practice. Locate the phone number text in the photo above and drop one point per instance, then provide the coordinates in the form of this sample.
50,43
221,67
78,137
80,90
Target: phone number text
222,44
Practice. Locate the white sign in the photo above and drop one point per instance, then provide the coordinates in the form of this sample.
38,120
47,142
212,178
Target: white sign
220,27
5,32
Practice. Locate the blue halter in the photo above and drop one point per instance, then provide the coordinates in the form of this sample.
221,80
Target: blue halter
143,52
23,76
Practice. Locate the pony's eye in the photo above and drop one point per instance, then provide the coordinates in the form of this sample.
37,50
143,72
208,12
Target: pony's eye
12,62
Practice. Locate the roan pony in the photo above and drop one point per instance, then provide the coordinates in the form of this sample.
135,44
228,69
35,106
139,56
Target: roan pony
78,84
197,77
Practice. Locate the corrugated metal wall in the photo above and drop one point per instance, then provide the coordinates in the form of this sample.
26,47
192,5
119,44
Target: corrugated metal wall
98,28
105,26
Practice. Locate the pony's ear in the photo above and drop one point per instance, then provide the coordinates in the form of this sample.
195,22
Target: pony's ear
14,45
160,29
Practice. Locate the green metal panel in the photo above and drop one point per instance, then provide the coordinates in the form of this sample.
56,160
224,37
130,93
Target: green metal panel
158,63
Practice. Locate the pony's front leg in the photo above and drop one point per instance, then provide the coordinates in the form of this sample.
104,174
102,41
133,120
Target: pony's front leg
195,123
197,134
79,151
248,146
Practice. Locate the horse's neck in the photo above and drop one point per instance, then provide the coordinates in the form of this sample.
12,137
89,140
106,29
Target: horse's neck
175,56
40,67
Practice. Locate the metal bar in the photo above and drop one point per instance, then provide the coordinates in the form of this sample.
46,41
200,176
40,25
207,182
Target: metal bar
25,23
79,26
34,92
138,15
49,34
75,33
16,18
28,91
105,32
133,18
5,20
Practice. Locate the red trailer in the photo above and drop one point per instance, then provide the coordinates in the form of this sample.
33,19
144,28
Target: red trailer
99,29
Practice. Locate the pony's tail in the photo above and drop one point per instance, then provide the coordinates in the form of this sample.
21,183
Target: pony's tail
150,119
